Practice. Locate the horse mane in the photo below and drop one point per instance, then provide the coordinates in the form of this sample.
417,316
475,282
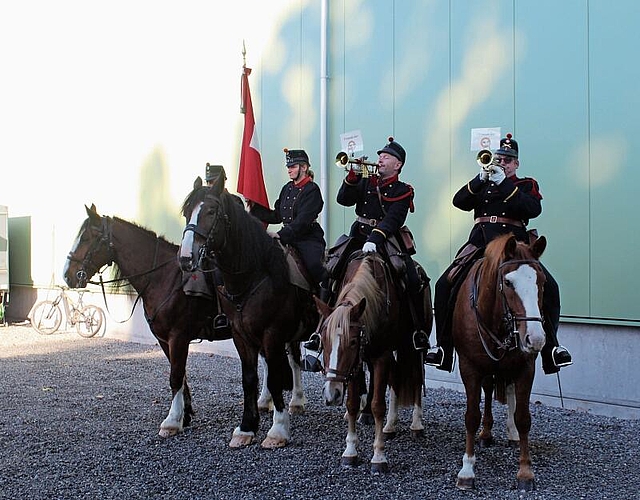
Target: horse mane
494,256
363,284
116,272
259,250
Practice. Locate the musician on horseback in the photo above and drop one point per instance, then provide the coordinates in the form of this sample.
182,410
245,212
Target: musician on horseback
502,203
297,208
382,203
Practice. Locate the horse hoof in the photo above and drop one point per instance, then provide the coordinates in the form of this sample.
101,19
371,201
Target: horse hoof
240,441
466,483
349,461
379,468
296,410
417,434
366,419
389,435
514,443
168,432
485,442
526,484
271,443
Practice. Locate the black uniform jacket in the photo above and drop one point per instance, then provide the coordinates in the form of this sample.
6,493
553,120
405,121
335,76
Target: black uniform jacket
385,203
515,199
297,208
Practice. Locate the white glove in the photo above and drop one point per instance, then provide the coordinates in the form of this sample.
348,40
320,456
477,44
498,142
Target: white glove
369,247
497,175
483,175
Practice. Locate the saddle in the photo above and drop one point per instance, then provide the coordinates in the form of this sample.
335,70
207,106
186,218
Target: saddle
298,274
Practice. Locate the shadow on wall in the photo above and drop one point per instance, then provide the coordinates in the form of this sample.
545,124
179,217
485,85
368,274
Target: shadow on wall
156,211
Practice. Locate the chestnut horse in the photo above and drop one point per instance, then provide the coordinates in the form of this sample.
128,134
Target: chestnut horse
267,312
369,324
497,332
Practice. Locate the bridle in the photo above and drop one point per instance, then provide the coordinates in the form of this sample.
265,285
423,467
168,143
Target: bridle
509,321
208,236
345,376
104,239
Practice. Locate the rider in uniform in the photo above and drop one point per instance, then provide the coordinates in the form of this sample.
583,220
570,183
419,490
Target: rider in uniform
382,203
502,203
297,208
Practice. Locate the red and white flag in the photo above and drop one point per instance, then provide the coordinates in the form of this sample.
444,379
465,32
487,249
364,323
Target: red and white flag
250,176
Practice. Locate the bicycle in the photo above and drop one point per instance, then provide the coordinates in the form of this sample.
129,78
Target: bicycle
46,316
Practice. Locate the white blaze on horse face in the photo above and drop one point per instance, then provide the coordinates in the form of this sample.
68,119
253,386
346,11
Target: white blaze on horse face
74,249
525,284
186,247
335,347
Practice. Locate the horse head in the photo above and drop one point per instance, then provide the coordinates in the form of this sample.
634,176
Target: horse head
91,250
204,211
341,333
518,281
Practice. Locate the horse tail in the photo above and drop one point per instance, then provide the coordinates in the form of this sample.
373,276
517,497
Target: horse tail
500,386
407,376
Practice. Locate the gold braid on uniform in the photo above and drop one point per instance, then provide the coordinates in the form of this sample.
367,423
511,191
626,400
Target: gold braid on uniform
379,231
512,194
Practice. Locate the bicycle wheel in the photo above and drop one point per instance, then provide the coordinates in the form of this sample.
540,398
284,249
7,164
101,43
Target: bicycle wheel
89,321
46,317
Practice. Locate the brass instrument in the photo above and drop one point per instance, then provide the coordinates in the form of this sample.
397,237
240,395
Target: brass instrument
487,161
357,165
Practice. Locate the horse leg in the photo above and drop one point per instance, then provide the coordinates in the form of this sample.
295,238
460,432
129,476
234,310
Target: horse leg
485,439
379,463
512,432
265,402
181,409
280,432
350,454
525,476
390,427
366,417
298,399
245,433
417,427
466,475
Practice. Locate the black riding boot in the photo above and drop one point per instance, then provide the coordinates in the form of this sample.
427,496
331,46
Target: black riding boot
441,356
554,356
420,336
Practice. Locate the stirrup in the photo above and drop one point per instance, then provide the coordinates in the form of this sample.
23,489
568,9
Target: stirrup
221,322
435,357
314,343
561,356
420,340
311,364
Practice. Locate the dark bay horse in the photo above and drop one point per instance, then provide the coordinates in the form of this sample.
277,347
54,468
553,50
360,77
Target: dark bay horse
267,312
150,264
369,324
497,332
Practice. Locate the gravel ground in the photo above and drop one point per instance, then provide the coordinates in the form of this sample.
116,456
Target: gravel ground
81,419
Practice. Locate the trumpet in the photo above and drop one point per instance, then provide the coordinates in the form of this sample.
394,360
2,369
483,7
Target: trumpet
358,165
487,160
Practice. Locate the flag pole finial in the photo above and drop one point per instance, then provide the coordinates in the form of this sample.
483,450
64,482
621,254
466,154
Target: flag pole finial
244,55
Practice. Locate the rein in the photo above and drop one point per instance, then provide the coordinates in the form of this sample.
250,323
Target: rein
510,321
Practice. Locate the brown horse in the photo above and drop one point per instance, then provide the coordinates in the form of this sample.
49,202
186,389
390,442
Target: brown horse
267,312
149,263
368,325
497,332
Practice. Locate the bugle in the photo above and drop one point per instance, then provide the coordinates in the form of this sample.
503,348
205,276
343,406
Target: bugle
358,165
487,160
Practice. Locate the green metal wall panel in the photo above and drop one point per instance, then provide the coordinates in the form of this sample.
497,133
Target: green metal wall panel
614,42
551,109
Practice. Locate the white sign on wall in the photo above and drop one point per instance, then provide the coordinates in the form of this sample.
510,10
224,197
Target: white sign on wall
485,138
351,142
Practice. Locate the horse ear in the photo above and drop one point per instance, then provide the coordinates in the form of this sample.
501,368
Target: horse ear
510,247
197,184
539,246
358,310
323,308
91,210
